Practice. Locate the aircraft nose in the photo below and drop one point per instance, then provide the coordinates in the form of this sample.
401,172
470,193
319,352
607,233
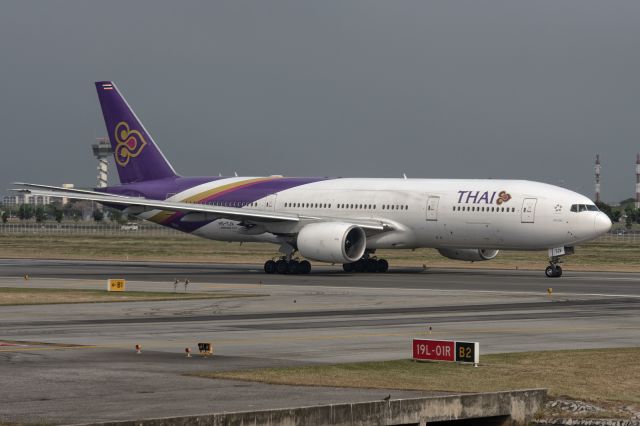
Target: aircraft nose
601,223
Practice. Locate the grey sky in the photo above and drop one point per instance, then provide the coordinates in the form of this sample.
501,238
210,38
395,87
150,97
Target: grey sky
502,89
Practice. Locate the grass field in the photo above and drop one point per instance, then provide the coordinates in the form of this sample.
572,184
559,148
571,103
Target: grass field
605,256
602,375
40,296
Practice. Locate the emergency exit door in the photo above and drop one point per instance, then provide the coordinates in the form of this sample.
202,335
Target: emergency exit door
529,210
432,208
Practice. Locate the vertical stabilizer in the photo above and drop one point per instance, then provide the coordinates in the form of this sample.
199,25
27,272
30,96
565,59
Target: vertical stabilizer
137,156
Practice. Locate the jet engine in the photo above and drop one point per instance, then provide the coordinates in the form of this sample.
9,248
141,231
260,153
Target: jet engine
333,242
472,255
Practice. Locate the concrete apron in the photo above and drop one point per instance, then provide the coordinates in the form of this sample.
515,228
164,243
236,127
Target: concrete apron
493,408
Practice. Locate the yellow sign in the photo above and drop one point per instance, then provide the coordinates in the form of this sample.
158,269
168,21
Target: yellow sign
116,285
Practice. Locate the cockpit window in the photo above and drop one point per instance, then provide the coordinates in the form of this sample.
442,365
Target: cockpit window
584,208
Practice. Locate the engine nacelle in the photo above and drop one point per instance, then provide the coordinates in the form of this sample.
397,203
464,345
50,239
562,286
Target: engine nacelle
472,255
333,242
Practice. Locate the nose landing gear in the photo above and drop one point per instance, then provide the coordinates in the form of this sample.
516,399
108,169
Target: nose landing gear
554,270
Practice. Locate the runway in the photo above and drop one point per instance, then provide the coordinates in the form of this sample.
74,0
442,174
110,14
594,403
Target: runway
325,317
619,284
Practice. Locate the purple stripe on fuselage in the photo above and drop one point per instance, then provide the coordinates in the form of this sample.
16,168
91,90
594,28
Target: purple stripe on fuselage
161,189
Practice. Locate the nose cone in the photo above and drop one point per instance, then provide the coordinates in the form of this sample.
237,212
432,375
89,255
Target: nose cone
601,224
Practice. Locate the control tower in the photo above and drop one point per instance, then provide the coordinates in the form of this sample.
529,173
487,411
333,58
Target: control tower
102,151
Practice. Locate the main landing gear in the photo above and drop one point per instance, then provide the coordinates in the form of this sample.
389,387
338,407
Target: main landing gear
284,266
367,265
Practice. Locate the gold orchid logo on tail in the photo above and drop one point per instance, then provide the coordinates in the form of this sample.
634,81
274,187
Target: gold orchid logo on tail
129,143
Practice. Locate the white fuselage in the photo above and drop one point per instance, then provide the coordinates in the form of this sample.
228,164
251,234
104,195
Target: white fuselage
438,213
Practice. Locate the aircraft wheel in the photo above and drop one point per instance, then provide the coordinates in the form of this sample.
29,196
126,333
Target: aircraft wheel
359,266
270,266
293,267
281,266
347,267
553,271
304,267
371,265
383,265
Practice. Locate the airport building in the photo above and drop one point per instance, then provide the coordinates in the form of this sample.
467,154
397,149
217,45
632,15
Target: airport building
34,200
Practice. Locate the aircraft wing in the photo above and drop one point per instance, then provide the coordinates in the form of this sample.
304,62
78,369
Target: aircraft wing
144,204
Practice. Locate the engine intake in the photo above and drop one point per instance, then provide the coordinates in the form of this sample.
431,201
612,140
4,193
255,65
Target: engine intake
333,242
472,255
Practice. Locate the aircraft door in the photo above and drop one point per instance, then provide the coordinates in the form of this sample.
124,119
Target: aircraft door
270,202
432,208
529,210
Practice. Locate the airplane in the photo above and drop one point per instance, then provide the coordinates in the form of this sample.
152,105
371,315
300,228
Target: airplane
337,220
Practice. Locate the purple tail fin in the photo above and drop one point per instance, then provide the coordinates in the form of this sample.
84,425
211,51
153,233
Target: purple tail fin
137,156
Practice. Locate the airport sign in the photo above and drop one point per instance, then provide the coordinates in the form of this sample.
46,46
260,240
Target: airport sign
116,285
446,350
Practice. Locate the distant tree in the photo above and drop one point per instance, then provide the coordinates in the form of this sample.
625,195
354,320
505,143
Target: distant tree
72,210
25,211
115,215
58,215
5,216
615,216
98,215
628,222
626,201
40,214
606,209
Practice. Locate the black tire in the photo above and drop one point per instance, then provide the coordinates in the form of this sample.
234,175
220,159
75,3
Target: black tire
371,265
359,266
549,271
553,271
281,266
383,265
293,267
270,267
304,267
347,267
